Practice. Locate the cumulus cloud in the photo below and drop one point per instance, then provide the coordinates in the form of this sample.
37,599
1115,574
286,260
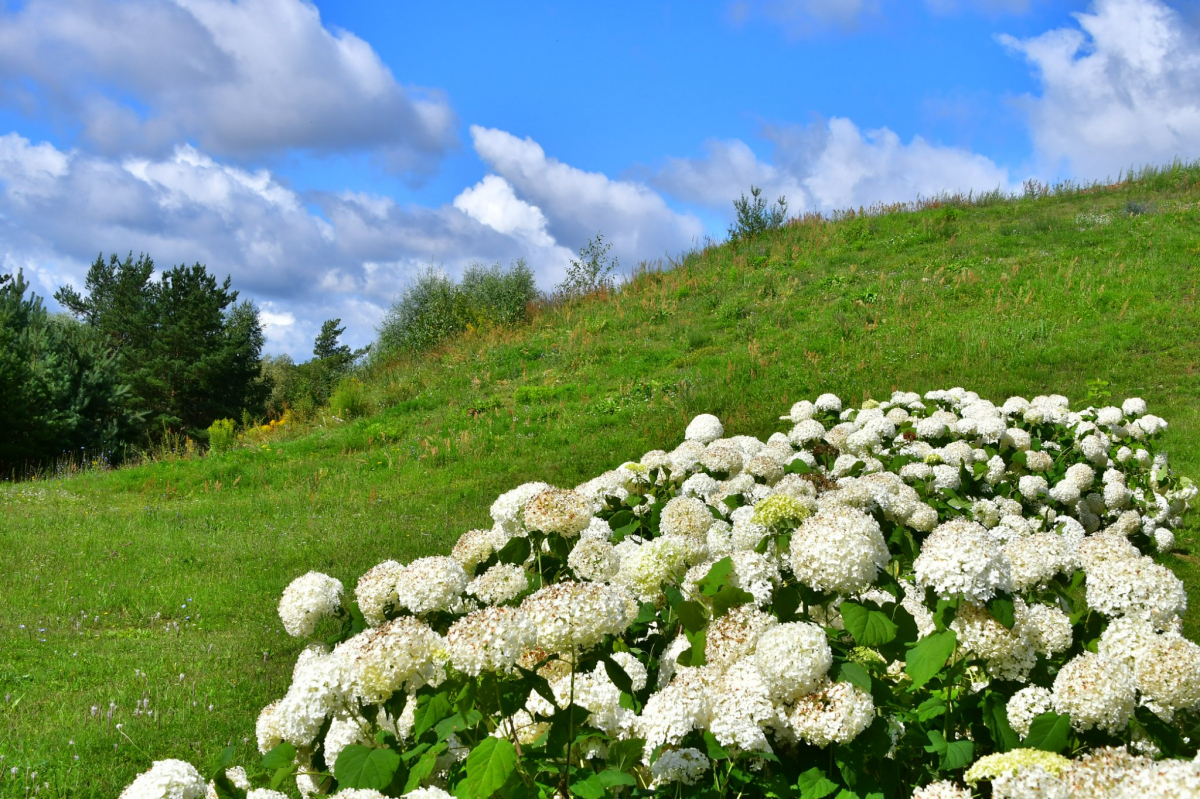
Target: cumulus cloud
1121,90
828,166
578,204
238,79
302,258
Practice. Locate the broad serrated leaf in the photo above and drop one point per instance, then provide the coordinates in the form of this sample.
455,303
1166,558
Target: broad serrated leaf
617,675
1050,732
717,577
430,710
626,754
714,749
422,768
729,597
995,716
280,756
928,656
361,767
692,614
957,755
813,784
1003,610
869,627
786,601
488,767
931,708
516,551
855,675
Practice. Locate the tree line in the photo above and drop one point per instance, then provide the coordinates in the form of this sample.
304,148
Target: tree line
135,358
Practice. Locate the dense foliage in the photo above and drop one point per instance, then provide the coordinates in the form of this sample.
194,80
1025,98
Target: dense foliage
63,391
434,307
189,351
882,601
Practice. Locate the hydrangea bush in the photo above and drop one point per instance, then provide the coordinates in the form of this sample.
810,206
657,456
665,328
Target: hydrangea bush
930,596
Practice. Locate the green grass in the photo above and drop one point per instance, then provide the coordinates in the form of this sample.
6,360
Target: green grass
160,582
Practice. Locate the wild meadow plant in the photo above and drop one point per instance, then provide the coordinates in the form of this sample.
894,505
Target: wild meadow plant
919,597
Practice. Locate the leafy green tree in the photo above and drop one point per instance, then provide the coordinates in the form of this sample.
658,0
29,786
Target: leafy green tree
754,217
189,351
594,270
60,385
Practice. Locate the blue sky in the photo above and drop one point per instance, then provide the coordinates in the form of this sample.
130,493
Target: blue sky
322,154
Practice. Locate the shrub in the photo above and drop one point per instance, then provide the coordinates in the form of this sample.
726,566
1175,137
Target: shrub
349,399
221,435
922,592
594,271
754,217
434,308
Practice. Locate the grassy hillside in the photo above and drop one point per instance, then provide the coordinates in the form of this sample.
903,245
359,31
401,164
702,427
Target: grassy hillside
145,597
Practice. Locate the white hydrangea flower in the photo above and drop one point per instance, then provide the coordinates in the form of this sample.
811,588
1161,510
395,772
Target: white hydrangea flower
509,508
1095,692
1038,461
741,707
557,510
472,548
765,466
1026,705
839,550
686,766
793,659
960,558
735,635
1047,629
490,639
686,516
916,472
1065,492
837,713
317,685
704,429
1033,487
1006,653
167,779
1135,586
595,560
682,705
1134,407
722,458
431,584
942,789
1167,673
1016,438
828,403
1035,559
307,600
699,485
646,566
379,661
499,584
570,616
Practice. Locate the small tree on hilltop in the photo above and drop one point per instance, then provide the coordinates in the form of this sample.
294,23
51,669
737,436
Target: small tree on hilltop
753,216
594,271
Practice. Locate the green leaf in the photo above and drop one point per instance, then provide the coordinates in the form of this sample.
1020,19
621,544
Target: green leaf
281,774
855,675
1050,732
958,755
590,788
626,754
695,655
422,768
692,614
931,708
786,601
488,767
715,750
1003,611
282,755
944,613
869,627
995,716
361,767
813,784
928,656
456,723
717,577
729,597
611,778
430,710
617,675
516,551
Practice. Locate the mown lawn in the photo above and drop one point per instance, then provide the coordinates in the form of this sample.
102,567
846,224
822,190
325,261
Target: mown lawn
137,607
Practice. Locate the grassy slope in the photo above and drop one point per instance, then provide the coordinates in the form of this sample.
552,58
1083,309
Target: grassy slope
159,583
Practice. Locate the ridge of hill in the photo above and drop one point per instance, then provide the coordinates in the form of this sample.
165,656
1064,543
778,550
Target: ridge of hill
145,597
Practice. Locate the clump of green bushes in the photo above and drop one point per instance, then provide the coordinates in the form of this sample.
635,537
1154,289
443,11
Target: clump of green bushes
434,307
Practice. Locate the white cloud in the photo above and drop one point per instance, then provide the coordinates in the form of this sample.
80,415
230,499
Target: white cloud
239,79
829,166
59,209
577,204
1121,90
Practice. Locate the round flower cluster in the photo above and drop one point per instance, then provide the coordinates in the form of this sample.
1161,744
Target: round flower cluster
759,598
306,600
